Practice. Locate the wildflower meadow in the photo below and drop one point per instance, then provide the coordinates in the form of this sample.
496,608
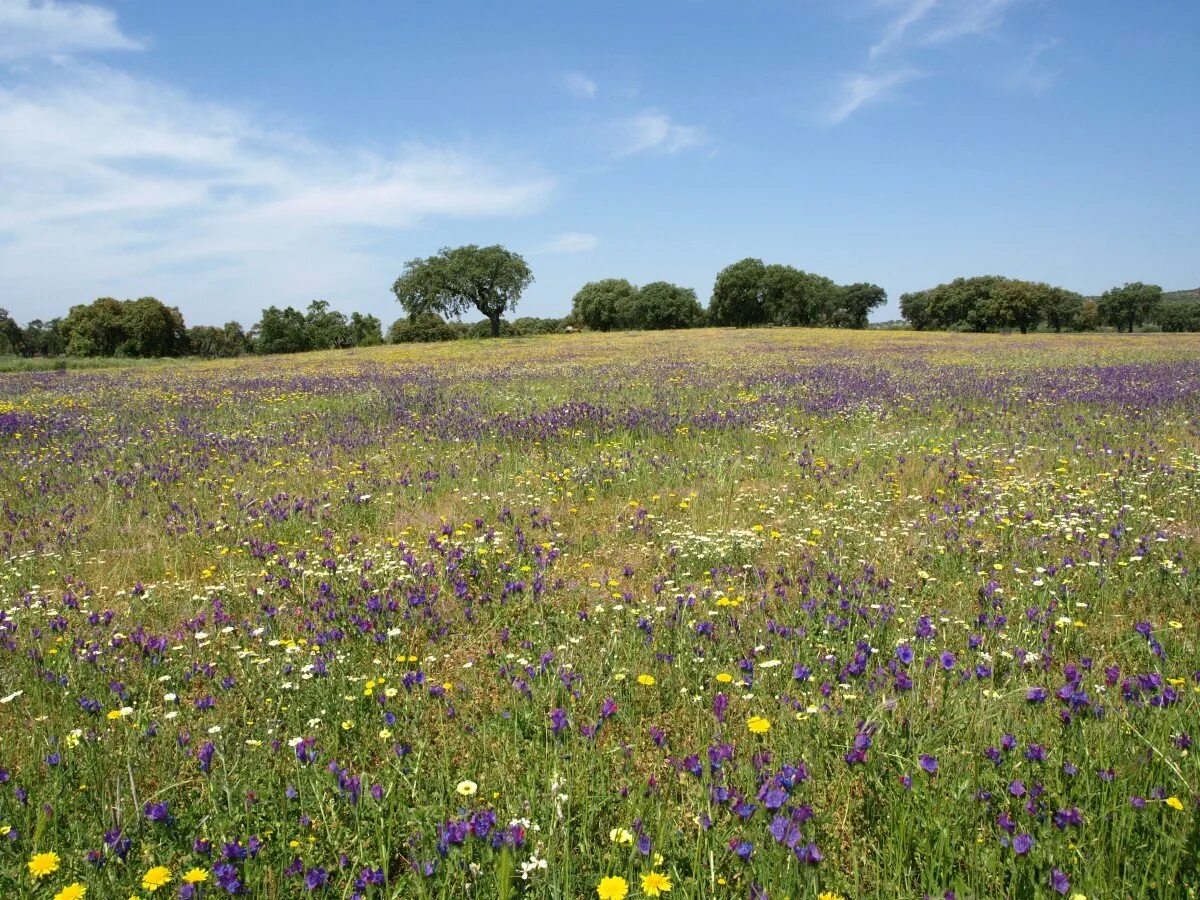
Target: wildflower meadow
774,613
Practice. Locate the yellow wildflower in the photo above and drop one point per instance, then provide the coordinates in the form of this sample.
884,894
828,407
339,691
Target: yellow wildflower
42,864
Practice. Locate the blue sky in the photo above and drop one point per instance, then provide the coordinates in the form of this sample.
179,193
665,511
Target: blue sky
224,156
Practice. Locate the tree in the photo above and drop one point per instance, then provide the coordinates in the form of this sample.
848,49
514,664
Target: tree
914,308
1014,304
605,305
44,338
853,305
96,328
1062,309
283,331
151,329
490,279
211,342
662,305
737,296
327,328
795,297
1128,306
421,328
365,330
12,338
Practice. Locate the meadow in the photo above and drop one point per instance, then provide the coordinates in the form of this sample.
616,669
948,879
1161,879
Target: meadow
771,613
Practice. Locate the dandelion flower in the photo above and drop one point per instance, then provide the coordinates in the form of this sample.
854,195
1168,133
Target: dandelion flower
157,877
74,891
1175,803
655,884
42,864
829,895
758,725
195,876
646,680
724,678
467,788
612,888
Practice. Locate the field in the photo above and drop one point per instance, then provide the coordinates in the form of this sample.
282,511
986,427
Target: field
773,613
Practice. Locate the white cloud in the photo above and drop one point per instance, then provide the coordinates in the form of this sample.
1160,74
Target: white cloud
967,18
39,28
861,88
569,242
919,25
579,85
655,132
115,185
912,13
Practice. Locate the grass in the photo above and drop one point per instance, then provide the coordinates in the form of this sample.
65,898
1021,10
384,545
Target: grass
766,613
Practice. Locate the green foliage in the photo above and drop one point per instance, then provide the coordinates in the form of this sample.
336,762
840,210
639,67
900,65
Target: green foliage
145,327
853,304
751,293
605,305
44,338
1178,316
421,328
994,303
365,330
1128,306
661,305
282,331
211,342
327,328
490,279
737,297
12,339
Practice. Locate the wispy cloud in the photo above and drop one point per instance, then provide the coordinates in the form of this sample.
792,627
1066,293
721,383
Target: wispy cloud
117,185
1031,73
859,89
39,28
656,132
913,27
579,85
569,242
912,13
967,18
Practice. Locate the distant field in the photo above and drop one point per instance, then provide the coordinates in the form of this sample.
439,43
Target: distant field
755,613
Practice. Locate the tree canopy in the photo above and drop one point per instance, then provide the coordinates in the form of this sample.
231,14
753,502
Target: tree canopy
1128,306
490,279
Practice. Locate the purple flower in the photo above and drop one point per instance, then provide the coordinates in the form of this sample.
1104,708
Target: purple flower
157,812
1059,881
558,720
315,878
929,763
1022,844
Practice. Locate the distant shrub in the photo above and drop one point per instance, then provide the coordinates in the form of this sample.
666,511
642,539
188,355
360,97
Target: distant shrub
423,328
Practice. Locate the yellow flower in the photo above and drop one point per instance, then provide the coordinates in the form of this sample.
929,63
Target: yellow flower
74,891
724,678
647,680
621,836
612,888
829,895
195,876
758,725
42,864
1174,803
467,788
157,877
655,884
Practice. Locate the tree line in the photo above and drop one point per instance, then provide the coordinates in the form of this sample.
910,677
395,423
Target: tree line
994,303
437,290
749,292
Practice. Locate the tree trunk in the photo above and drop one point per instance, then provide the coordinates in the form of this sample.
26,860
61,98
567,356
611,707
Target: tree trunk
495,324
